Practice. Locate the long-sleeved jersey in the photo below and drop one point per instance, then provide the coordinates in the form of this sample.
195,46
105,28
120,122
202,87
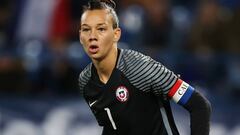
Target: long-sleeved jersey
135,99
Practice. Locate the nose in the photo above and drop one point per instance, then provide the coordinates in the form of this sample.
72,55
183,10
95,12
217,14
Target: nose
93,36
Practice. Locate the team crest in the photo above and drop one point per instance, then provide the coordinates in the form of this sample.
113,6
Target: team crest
122,94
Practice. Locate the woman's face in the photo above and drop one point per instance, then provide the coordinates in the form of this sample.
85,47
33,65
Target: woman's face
97,35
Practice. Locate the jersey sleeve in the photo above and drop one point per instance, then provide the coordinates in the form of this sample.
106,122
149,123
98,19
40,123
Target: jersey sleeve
84,77
166,83
149,75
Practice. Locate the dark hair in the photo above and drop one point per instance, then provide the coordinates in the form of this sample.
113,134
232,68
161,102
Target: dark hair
104,4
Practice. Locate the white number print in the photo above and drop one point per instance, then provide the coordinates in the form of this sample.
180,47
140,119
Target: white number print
110,118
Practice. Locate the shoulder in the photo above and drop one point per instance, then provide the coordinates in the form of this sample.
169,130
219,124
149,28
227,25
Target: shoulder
138,68
133,60
129,57
145,73
131,54
84,77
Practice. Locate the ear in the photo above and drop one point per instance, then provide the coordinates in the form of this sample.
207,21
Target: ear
117,34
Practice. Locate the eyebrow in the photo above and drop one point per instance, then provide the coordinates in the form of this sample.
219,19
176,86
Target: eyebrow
100,24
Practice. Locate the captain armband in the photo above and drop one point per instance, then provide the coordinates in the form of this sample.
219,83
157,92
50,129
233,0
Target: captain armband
181,92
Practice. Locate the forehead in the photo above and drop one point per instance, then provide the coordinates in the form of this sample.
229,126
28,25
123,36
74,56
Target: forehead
94,17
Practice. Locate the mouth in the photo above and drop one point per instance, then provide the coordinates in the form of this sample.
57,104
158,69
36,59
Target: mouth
93,49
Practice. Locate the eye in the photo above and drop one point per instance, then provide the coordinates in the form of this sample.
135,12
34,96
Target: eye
101,29
85,29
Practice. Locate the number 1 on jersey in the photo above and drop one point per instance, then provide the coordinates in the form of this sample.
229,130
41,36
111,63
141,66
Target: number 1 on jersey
110,118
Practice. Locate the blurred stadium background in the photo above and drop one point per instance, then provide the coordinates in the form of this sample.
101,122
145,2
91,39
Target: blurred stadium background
41,57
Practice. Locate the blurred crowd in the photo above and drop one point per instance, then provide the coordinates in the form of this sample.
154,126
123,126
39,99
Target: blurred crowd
40,53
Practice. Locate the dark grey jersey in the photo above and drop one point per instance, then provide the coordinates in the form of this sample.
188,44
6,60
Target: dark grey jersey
129,103
142,71
145,73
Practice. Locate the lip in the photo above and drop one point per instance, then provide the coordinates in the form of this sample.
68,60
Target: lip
93,49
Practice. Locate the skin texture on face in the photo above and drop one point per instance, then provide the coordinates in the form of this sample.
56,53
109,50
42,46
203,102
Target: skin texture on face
97,35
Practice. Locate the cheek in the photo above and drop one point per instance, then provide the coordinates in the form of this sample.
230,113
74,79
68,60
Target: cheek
108,40
83,41
81,38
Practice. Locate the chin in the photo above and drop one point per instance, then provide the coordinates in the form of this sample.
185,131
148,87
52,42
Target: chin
96,57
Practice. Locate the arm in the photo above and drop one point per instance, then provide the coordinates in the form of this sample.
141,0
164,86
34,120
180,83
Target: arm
196,104
200,111
163,82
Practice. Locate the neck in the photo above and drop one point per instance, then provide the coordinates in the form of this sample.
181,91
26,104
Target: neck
105,66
